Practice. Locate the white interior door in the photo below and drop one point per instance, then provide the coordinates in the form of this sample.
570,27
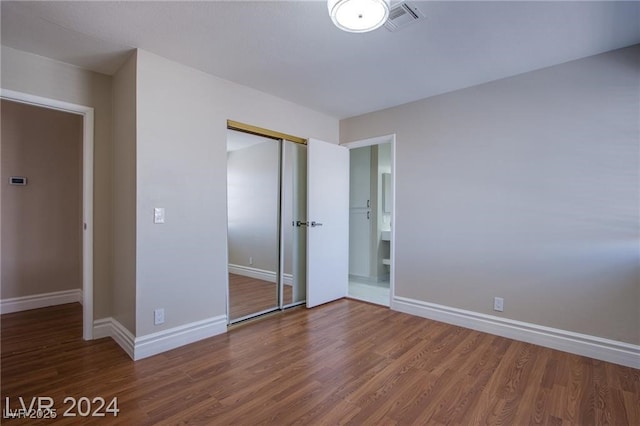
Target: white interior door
328,219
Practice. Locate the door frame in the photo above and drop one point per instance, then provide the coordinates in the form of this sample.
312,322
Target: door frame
87,114
392,255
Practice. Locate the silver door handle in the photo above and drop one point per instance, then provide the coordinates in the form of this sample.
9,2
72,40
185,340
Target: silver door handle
314,224
299,223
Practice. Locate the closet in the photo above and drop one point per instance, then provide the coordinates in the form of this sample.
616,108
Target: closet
266,207
288,221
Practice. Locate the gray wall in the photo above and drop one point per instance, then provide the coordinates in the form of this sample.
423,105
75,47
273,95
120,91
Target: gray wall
28,73
252,196
524,188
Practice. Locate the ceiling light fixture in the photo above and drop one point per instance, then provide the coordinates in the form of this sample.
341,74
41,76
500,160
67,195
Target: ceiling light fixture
358,16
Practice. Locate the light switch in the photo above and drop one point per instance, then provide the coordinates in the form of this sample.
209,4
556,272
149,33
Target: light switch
158,215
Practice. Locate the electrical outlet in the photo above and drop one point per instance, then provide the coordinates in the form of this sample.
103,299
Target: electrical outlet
250,260
498,304
158,316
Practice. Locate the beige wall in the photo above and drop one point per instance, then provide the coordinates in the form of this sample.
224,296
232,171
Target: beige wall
527,188
41,222
28,73
524,188
123,289
181,166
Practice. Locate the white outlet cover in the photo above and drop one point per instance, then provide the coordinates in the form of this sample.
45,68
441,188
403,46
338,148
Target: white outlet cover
158,316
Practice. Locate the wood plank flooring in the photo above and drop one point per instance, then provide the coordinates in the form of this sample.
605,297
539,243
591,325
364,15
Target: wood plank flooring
249,295
346,362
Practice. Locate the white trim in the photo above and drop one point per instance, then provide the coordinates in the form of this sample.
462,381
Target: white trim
87,192
162,341
368,280
258,274
102,328
370,141
42,300
110,327
581,344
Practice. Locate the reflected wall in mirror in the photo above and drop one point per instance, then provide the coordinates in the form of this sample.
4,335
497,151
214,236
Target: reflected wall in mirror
253,188
294,210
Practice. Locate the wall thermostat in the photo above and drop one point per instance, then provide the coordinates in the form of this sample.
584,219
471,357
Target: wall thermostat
17,180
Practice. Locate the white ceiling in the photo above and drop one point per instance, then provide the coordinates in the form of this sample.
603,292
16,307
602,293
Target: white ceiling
292,50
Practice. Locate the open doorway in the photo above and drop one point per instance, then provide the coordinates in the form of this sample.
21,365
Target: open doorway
81,214
370,220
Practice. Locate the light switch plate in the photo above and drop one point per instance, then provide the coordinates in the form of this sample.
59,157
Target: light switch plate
158,215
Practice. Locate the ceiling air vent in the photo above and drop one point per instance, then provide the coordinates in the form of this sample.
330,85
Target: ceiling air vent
401,15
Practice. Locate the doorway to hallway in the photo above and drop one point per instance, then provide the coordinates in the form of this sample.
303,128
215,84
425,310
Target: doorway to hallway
82,226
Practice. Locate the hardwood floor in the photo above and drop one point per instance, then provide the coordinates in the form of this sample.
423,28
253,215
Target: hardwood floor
344,362
249,295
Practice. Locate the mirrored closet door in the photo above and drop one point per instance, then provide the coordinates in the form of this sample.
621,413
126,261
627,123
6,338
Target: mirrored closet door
266,202
294,229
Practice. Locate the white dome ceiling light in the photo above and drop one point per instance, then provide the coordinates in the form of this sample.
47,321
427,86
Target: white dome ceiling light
358,16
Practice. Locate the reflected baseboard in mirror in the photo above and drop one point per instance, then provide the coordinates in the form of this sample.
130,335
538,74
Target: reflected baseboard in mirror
249,295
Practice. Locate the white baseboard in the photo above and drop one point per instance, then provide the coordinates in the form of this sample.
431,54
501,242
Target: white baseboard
581,344
110,327
258,274
155,343
35,301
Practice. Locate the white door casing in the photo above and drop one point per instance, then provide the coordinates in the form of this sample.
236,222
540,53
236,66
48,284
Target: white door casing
328,208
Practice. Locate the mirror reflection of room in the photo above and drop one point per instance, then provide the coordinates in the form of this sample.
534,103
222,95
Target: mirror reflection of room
293,213
266,198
